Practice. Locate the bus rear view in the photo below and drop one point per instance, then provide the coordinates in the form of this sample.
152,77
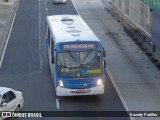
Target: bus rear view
76,56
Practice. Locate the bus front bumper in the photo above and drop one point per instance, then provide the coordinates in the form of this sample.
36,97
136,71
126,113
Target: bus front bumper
60,91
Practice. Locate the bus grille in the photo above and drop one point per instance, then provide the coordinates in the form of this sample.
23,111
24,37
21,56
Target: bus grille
80,81
79,84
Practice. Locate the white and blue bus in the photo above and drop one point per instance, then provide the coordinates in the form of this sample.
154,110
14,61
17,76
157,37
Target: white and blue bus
76,56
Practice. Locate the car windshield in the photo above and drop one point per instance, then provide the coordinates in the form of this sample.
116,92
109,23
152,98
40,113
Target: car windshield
79,64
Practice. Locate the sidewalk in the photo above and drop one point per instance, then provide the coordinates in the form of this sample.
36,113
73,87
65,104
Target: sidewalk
7,10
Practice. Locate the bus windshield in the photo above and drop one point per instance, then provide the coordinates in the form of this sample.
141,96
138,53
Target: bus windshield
79,64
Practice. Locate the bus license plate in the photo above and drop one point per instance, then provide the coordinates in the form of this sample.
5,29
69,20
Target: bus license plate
80,91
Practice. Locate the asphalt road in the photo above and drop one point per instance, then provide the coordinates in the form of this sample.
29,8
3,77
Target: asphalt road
25,66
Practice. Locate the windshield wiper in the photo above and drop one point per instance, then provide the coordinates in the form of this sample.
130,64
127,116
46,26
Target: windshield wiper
87,55
72,56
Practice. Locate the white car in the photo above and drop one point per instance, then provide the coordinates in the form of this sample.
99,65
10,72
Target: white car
59,1
10,100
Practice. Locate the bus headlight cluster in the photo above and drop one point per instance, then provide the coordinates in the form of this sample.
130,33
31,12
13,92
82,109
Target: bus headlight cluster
99,82
60,83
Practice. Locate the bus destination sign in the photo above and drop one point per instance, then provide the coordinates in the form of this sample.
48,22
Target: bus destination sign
77,46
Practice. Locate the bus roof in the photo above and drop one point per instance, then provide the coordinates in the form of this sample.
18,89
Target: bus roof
67,28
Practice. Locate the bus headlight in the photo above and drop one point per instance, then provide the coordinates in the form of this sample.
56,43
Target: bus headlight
99,82
60,83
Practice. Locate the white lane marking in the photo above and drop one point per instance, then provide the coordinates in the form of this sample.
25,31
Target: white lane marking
57,104
75,6
46,9
5,47
118,91
40,40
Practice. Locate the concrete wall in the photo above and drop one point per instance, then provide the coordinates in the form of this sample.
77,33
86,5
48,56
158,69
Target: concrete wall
144,17
140,15
155,33
136,12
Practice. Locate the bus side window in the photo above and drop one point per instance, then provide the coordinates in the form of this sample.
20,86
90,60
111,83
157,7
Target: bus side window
46,31
48,36
52,46
52,50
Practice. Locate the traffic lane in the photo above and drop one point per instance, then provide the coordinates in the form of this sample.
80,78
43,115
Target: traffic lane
38,89
30,84
22,53
42,97
109,101
56,9
21,64
89,103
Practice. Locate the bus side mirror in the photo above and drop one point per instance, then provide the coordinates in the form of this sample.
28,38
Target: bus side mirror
104,52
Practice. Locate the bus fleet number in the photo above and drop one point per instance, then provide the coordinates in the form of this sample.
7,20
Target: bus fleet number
64,69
